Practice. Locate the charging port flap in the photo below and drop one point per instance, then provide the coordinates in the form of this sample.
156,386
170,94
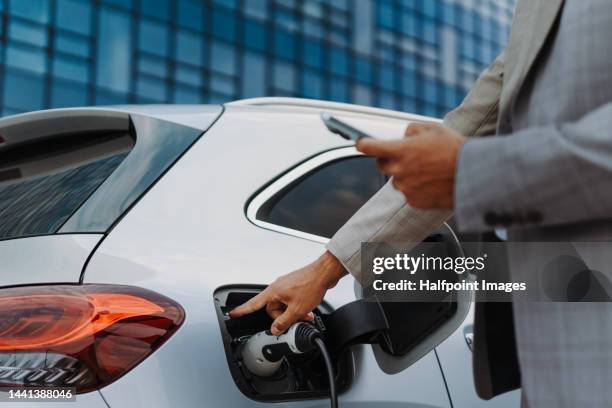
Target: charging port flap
302,376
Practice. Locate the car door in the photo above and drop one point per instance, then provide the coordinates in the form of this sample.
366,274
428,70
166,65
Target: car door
314,199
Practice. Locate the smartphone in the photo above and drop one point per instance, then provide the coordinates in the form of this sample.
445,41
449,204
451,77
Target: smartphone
341,128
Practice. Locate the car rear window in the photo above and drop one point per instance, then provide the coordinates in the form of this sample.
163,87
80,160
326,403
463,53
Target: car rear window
42,183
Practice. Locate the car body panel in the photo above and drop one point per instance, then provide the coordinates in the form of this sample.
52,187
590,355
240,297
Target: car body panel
43,259
458,372
204,241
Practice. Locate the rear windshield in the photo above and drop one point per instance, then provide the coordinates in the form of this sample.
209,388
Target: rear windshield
43,183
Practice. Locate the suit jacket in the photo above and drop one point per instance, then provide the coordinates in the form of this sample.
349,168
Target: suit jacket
515,182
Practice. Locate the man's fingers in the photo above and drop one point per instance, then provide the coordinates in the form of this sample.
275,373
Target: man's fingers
388,167
379,148
309,317
253,305
415,128
275,309
284,321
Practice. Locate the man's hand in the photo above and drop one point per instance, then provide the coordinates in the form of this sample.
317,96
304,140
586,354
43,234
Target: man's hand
292,297
422,164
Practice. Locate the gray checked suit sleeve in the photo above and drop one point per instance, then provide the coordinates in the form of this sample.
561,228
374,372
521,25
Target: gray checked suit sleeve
386,217
550,175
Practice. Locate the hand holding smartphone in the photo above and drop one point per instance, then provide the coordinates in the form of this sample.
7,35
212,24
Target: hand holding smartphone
341,128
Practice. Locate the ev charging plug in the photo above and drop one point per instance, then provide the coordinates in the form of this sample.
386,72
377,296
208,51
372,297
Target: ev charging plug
263,353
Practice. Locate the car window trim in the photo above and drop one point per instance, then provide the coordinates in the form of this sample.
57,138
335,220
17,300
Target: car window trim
287,179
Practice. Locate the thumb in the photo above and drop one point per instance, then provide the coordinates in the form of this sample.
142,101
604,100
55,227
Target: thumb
284,321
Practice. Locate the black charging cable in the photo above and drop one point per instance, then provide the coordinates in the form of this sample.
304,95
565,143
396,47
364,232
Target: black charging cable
307,334
333,394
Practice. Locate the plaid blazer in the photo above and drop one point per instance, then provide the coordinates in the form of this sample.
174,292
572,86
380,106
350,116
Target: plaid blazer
546,175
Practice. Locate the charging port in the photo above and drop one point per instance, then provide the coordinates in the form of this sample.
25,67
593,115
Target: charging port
300,377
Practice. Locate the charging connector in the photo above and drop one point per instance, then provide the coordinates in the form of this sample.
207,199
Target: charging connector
264,353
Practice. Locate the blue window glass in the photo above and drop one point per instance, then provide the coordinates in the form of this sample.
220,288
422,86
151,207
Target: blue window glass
255,35
468,21
152,66
74,15
151,89
224,24
429,8
189,48
71,69
283,76
468,49
231,4
340,4
312,27
71,44
188,75
23,92
256,8
153,37
385,53
155,8
223,85
286,20
363,69
28,33
430,91
430,31
223,58
409,83
26,58
67,94
36,10
127,4
312,84
191,14
362,95
313,53
385,13
184,94
110,98
410,24
284,44
114,50
338,90
386,77
386,100
253,75
448,14
409,105
312,8
338,61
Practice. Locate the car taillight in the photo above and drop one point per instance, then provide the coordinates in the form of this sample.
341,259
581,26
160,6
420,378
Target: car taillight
82,336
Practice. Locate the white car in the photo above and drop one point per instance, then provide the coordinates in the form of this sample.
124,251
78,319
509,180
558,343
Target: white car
127,232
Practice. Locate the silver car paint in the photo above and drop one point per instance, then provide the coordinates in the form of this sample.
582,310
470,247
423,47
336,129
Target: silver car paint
203,241
54,258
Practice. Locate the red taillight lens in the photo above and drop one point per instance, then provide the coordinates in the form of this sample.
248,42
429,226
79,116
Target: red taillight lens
83,336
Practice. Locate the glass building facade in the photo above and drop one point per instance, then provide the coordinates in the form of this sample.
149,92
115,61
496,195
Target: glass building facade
420,56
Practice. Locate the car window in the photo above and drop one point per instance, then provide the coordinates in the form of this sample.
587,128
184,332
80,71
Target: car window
324,199
42,183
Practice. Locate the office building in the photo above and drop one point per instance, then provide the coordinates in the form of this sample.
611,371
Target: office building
414,55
